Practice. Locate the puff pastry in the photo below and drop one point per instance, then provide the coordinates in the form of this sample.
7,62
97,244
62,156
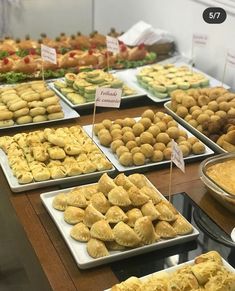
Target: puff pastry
60,202
125,235
114,246
92,215
205,270
221,281
89,191
149,210
137,198
122,180
76,198
133,214
73,215
100,202
165,212
115,214
119,196
105,184
96,248
151,193
182,226
145,230
138,180
209,256
80,232
165,230
132,284
183,282
101,230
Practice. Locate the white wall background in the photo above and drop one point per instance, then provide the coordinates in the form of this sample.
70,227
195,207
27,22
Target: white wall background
180,17
51,17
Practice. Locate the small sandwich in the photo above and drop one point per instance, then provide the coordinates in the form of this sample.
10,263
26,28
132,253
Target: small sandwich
27,43
97,39
6,65
82,41
137,53
88,59
26,65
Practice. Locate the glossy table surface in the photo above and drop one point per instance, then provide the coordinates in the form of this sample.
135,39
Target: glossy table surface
45,250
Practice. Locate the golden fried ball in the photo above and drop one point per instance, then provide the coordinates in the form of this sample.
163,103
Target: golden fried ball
115,126
126,159
181,111
192,140
188,117
154,130
193,122
98,127
231,113
209,112
167,118
146,137
128,136
181,138
107,123
220,99
200,128
121,150
163,137
203,100
135,150
105,139
221,113
203,118
162,126
196,113
167,153
215,118
159,114
173,132
118,121
157,156
138,141
204,108
116,132
186,143
172,123
126,128
138,159
159,146
117,136
156,119
103,131
213,105
116,144
128,121
184,149
183,133
149,114
224,106
147,150
198,148
188,101
169,144
146,122
192,109
131,144
138,128
232,104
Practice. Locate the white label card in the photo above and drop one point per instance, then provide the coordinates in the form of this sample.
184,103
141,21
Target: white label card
200,39
112,44
177,156
48,54
108,97
231,58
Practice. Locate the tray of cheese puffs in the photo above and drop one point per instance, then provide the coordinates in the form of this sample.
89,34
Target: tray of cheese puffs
138,143
50,156
31,103
208,271
209,113
116,219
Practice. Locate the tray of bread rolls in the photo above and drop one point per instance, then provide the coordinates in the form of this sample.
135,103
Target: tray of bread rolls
144,142
208,271
51,156
116,219
31,103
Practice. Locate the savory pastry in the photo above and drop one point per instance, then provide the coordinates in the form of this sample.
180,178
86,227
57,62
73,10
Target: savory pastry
212,256
96,248
73,215
118,196
183,282
101,230
115,214
182,226
133,214
56,153
137,198
89,191
150,211
105,184
122,180
125,236
76,198
60,202
205,270
92,215
166,213
138,180
132,283
221,281
80,232
100,202
145,230
164,230
151,193
114,246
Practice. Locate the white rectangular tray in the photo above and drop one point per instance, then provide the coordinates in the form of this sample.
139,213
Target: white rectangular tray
175,268
90,104
130,76
113,158
16,187
192,129
78,249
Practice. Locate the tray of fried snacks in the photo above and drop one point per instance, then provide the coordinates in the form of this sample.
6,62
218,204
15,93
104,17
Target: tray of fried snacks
78,90
116,219
208,113
159,80
50,156
31,103
135,143
208,271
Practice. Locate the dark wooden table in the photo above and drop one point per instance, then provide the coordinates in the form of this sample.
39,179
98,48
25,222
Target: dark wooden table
49,246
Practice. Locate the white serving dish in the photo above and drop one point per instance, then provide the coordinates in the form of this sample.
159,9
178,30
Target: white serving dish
78,249
175,268
213,145
114,160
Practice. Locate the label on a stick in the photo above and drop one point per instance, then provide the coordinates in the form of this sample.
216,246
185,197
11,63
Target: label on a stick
112,44
48,54
108,97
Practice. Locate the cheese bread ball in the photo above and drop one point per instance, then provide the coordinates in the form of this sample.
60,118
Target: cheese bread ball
146,122
105,139
129,122
159,146
146,137
181,111
198,148
173,132
154,130
149,114
131,144
98,127
107,123
163,137
128,136
126,159
157,156
135,150
147,150
167,153
116,144
184,149
138,128
121,150
138,159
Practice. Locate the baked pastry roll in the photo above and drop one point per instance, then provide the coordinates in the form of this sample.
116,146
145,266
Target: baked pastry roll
101,230
204,271
56,153
213,256
145,230
40,153
149,210
80,232
165,230
115,214
137,198
72,168
87,167
82,158
119,196
60,202
122,180
182,226
56,140
138,180
41,174
100,202
92,215
105,184
183,282
158,282
5,142
165,212
133,215
76,198
221,281
103,164
96,248
73,149
152,194
114,246
125,235
132,284
24,177
57,172
73,215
